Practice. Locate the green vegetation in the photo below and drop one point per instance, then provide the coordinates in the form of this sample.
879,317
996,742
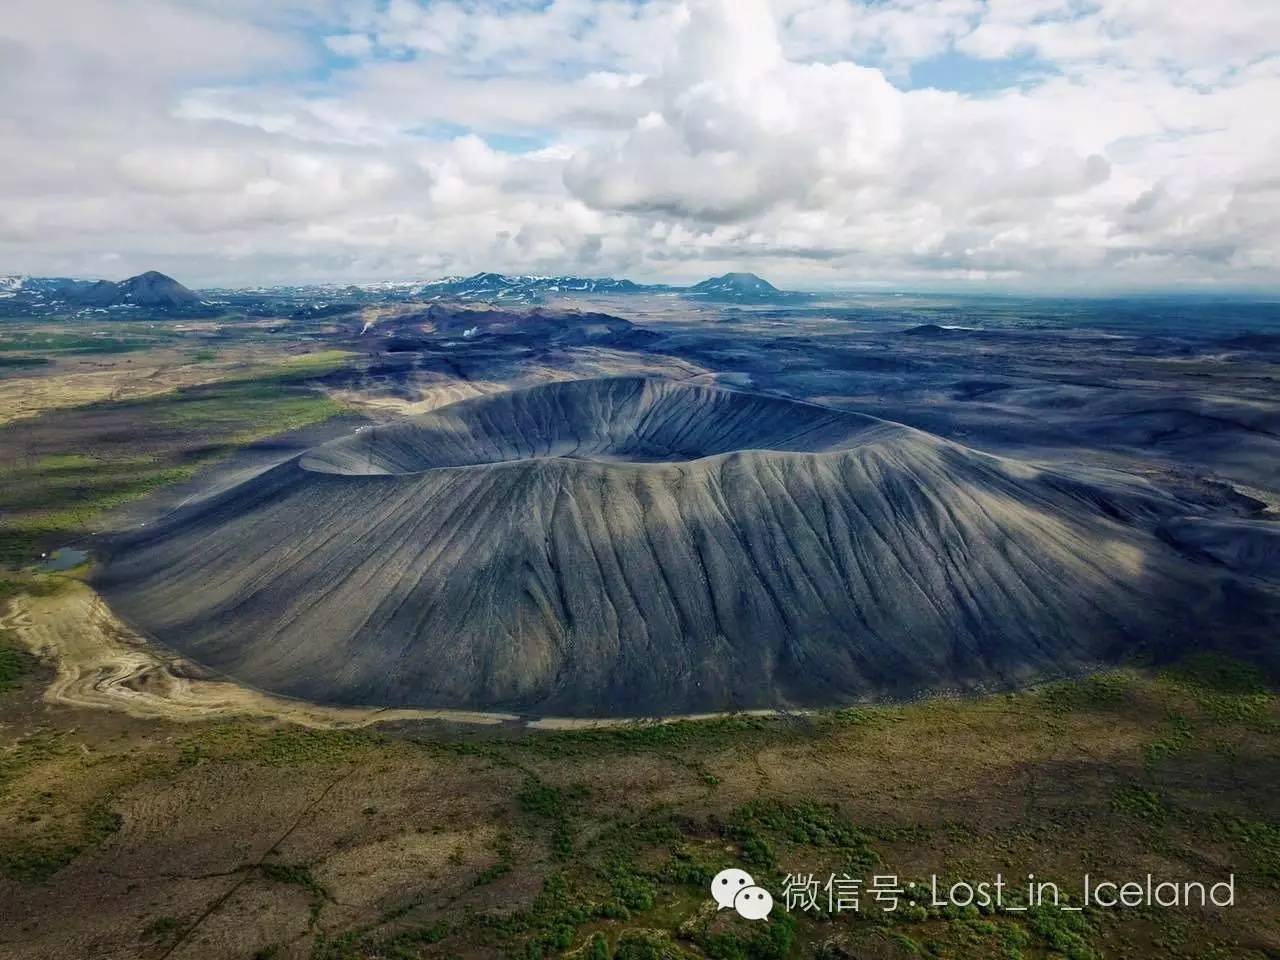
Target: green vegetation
1067,934
1100,692
1178,738
1227,691
1212,671
305,365
647,945
298,876
765,941
1257,840
293,874
362,945
65,828
288,747
43,342
162,929
550,803
591,873
42,857
236,412
1140,803
27,752
678,737
598,948
74,498
615,897
55,496
504,864
14,661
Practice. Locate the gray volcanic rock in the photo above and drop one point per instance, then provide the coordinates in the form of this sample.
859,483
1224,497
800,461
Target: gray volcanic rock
624,546
539,325
1249,546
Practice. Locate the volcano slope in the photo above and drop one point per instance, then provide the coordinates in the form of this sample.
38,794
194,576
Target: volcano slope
633,546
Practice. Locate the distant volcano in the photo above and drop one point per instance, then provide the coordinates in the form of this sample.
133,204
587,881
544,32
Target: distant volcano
738,286
632,546
152,292
150,289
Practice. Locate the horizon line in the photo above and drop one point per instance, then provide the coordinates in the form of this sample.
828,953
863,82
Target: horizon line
884,288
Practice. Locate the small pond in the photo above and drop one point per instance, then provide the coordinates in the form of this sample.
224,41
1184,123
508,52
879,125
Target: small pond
63,559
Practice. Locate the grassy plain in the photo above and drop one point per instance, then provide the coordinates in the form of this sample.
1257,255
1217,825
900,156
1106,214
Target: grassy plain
243,838
74,363
69,462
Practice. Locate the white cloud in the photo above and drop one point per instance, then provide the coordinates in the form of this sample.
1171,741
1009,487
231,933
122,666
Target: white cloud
897,32
145,39
257,140
354,45
1144,33
745,135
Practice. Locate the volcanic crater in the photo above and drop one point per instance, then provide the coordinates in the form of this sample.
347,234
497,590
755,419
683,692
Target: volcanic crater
632,546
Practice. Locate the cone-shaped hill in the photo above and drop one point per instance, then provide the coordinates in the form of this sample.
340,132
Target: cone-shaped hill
622,546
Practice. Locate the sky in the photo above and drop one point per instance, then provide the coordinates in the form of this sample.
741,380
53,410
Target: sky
985,145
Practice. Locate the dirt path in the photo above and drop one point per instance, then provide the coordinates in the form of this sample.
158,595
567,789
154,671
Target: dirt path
102,664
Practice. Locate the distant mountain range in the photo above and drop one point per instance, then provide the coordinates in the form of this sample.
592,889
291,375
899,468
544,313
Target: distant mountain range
156,293
499,287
